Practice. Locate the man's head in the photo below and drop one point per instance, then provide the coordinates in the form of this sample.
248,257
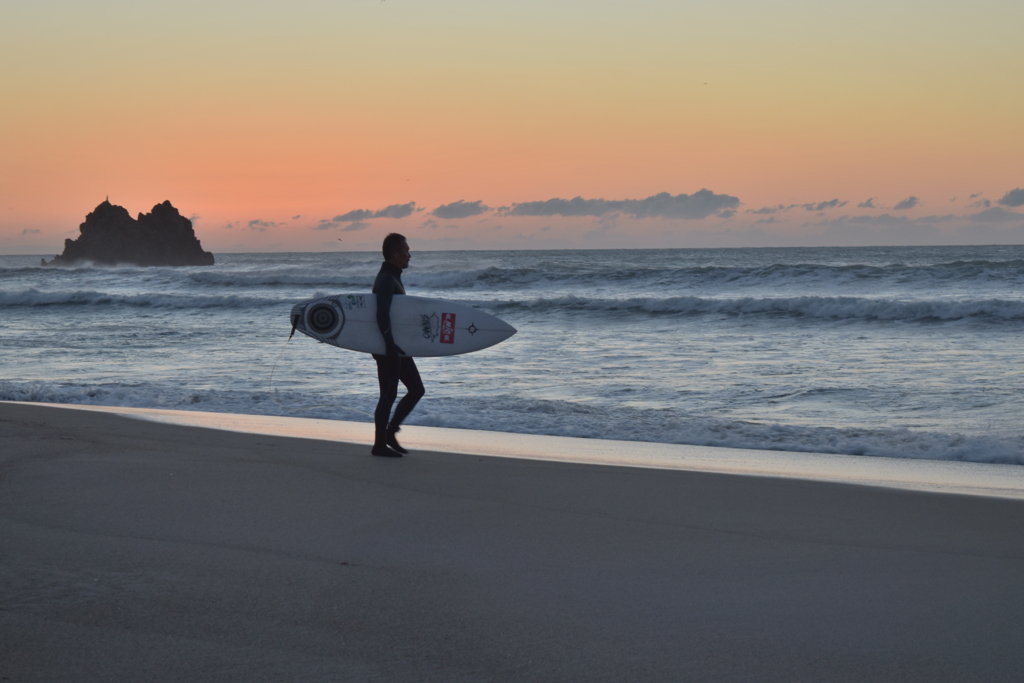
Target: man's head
396,250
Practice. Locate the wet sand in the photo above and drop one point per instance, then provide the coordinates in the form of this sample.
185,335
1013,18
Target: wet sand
136,550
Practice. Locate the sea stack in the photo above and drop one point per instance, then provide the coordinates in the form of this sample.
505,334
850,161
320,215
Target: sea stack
162,237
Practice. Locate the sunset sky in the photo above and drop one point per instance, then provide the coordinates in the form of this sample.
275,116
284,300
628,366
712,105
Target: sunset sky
322,125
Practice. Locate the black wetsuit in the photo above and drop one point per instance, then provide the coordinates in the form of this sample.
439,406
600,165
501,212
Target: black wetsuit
392,368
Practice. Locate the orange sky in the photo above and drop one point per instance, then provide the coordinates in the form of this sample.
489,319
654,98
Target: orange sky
255,111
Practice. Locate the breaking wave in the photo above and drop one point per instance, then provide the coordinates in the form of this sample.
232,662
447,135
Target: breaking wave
812,307
35,297
827,307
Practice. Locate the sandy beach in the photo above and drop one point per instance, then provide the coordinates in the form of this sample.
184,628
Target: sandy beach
136,550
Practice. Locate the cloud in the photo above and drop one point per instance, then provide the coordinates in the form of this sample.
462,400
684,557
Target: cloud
908,203
976,194
355,215
325,224
700,204
261,225
295,218
460,209
982,204
30,231
773,209
194,217
767,221
396,211
333,223
728,213
562,207
393,211
1013,198
821,206
995,215
812,206
868,203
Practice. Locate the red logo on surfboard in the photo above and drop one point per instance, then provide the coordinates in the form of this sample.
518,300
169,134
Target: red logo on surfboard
447,328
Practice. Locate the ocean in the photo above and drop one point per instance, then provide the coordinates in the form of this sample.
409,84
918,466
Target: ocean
888,351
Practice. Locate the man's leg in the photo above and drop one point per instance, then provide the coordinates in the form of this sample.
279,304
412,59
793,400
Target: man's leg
410,377
388,375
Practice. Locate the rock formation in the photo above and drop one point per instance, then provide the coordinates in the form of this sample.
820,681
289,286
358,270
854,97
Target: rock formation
162,237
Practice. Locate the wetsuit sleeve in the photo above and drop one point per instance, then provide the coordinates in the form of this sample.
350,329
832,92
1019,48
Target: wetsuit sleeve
385,292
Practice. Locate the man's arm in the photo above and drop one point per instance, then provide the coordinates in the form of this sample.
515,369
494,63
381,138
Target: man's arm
385,294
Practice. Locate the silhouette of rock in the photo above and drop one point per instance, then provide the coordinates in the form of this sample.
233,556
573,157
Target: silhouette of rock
162,237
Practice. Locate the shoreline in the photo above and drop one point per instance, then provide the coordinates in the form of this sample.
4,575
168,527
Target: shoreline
937,476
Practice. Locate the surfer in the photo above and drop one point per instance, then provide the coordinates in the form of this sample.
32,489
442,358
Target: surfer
394,366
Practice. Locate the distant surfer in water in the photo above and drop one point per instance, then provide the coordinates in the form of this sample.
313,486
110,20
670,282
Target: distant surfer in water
394,365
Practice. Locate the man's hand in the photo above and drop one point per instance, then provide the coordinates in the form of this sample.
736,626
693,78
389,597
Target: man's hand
394,350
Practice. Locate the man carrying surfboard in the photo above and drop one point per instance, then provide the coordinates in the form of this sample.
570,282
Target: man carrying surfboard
394,366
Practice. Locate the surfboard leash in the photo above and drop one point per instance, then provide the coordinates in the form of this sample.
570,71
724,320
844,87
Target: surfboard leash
270,389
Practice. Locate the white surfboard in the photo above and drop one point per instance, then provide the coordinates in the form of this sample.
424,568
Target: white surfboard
420,326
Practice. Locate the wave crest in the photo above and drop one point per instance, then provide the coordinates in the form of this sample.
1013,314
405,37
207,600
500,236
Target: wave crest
35,297
826,307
